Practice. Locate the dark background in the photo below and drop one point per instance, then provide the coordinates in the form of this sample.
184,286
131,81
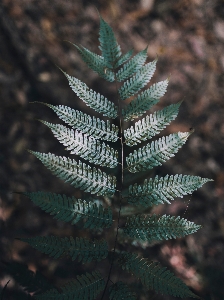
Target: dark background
188,38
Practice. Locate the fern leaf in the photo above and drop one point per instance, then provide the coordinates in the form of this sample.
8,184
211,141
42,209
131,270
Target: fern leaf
124,58
156,152
149,228
70,209
94,100
111,51
85,146
161,190
85,287
151,125
138,81
154,276
96,63
121,291
50,294
87,124
132,66
145,101
80,248
78,174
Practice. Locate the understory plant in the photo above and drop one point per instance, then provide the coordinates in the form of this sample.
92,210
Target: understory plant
112,152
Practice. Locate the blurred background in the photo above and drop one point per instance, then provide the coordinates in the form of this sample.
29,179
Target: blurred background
187,36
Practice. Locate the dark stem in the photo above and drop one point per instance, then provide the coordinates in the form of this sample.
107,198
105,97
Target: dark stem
120,186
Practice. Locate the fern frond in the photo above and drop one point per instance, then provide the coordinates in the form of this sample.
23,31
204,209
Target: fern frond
78,174
125,240
151,125
87,147
145,101
87,139
124,58
138,81
132,66
154,276
156,152
109,47
80,248
161,190
87,124
92,99
50,294
85,287
121,291
96,63
155,227
70,209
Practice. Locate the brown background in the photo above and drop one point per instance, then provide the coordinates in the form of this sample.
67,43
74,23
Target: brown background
188,38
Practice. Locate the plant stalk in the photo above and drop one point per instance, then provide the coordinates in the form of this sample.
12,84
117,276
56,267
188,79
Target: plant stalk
121,182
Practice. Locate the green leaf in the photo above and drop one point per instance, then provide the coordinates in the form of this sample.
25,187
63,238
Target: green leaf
160,190
145,101
94,100
78,174
151,125
155,227
87,124
96,62
121,291
124,58
138,81
70,209
82,249
154,276
111,51
132,66
87,147
84,287
155,153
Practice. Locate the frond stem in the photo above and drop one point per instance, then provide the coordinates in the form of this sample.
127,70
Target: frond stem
121,182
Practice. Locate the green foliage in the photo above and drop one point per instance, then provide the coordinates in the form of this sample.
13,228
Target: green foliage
151,125
120,291
90,125
85,139
83,249
70,209
154,276
96,62
111,51
163,189
132,66
138,81
85,146
79,175
123,58
149,228
85,287
94,100
144,101
158,151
